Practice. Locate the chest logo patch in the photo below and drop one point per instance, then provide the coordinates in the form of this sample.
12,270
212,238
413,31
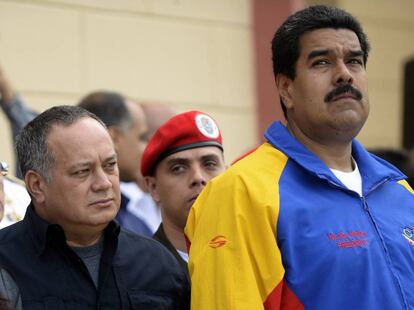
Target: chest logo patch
217,242
408,234
349,239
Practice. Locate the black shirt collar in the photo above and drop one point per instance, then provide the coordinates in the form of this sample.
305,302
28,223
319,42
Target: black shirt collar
42,232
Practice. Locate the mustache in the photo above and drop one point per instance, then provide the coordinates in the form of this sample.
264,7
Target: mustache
343,89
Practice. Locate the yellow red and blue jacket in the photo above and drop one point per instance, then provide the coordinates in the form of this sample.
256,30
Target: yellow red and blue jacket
278,230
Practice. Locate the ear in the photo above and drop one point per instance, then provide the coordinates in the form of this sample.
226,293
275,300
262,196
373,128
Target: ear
35,185
141,183
284,86
151,183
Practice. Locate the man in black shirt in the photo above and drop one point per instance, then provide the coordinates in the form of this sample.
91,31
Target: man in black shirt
68,253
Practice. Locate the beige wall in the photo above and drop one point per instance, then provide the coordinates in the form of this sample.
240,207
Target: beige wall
192,54
390,27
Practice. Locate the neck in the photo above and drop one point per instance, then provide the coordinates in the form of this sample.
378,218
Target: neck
80,239
82,236
175,235
335,152
76,235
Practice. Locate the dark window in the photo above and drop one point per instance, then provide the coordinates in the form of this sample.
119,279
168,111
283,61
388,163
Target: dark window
408,112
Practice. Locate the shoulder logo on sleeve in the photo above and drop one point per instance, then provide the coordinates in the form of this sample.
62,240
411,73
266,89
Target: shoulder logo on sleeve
408,234
217,242
207,126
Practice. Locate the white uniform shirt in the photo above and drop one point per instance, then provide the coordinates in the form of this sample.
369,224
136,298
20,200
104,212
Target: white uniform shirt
16,202
142,205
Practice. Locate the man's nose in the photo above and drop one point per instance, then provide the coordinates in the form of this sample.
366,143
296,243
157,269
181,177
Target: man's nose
101,181
198,177
342,74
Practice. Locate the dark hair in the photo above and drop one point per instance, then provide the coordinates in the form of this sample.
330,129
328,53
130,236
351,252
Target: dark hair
285,43
32,148
110,107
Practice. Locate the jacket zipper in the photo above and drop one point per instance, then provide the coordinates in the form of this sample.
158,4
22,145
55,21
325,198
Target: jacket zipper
386,254
366,208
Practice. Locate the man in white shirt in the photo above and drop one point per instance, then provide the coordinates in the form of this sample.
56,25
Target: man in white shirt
14,198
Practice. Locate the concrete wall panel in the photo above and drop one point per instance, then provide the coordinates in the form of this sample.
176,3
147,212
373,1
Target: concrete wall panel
40,47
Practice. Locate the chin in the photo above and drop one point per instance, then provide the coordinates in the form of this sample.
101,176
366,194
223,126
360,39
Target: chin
347,132
99,223
349,121
103,218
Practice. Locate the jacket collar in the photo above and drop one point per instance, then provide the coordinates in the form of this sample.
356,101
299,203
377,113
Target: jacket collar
161,237
374,171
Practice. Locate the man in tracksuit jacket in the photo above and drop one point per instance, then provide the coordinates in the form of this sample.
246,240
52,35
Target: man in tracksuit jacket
310,220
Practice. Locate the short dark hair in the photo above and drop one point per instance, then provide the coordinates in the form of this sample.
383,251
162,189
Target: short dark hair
32,148
110,107
285,43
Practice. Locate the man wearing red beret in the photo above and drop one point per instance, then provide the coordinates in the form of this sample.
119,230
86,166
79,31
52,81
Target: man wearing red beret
180,158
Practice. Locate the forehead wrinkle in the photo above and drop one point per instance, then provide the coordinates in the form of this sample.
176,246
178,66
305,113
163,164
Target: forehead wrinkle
208,156
81,164
330,38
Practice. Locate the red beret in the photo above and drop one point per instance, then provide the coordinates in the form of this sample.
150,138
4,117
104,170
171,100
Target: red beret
182,132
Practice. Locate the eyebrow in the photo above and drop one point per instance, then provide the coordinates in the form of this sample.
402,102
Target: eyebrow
86,164
177,160
110,158
324,52
210,156
182,160
356,53
317,53
80,165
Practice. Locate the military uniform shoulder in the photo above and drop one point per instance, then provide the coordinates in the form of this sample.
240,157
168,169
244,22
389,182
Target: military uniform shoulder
17,200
